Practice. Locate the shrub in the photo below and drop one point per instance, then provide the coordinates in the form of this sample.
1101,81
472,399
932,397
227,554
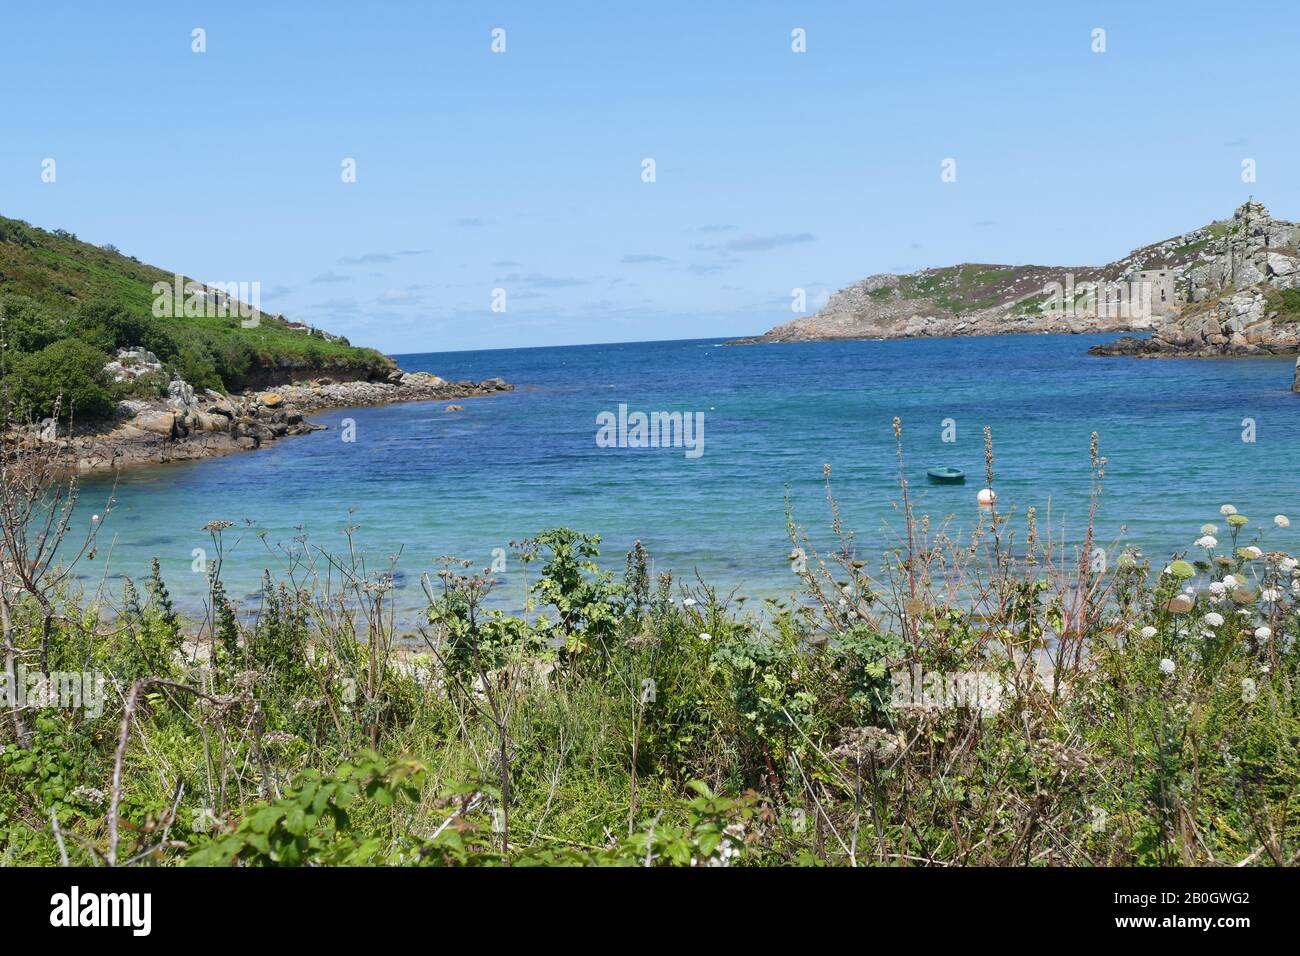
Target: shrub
68,373
196,365
110,327
27,326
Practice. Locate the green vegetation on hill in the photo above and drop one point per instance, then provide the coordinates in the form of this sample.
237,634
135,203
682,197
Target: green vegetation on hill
965,288
66,305
1287,304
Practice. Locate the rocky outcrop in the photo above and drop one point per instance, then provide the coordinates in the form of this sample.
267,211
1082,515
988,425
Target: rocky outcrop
131,364
411,387
186,425
1242,323
1245,296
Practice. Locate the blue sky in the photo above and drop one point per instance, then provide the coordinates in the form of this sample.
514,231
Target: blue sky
522,170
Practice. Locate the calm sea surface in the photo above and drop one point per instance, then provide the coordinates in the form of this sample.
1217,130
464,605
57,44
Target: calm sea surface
436,483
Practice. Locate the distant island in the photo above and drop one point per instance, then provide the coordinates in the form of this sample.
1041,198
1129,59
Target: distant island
124,363
1231,288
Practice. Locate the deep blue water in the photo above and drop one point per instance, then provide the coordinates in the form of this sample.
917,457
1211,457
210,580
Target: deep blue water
465,483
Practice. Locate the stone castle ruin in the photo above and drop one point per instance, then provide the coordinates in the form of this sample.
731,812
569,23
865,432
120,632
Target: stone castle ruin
1232,299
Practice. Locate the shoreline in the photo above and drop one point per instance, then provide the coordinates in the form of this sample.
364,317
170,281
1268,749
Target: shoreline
194,427
906,335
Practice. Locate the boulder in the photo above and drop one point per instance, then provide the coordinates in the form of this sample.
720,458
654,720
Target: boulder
271,399
209,422
157,423
1280,265
131,364
180,394
454,408
1249,274
421,380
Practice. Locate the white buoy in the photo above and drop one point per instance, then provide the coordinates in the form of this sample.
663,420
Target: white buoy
986,497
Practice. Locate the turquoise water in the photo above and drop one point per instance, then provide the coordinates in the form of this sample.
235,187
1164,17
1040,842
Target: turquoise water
466,483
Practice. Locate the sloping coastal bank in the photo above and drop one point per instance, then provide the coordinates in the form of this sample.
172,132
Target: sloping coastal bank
111,362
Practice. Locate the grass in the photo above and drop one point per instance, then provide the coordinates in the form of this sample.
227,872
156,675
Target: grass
640,720
1190,249
1287,304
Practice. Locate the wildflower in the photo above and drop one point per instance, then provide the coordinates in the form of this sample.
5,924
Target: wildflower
1149,632
689,602
90,795
1209,529
1207,541
1214,619
1282,521
1218,588
203,819
1179,604
1065,758
1229,581
1250,552
706,638
381,585
1288,564
1227,510
1263,633
1167,665
1249,690
1270,594
1238,521
729,848
1180,569
867,743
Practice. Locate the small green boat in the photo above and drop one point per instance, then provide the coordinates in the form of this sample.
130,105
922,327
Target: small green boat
947,476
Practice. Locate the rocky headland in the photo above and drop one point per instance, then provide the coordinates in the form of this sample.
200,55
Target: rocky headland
188,425
1231,288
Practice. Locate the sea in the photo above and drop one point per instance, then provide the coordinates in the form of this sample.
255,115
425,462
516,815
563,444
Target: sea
413,484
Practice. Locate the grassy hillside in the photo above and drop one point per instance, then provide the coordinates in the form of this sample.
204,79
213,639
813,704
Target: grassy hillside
67,305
